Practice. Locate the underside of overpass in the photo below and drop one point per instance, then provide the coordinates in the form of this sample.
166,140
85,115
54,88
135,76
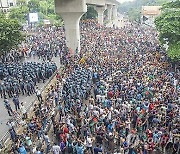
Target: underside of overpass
72,10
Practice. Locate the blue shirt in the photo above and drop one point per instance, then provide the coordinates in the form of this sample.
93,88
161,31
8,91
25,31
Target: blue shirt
96,150
22,150
110,128
79,149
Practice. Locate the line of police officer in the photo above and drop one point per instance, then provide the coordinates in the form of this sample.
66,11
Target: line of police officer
21,78
77,86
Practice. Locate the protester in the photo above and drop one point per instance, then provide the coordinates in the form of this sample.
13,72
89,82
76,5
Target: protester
23,111
56,149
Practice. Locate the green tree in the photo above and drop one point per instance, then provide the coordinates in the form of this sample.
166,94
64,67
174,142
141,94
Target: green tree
2,15
33,5
47,7
90,14
19,13
134,15
47,11
168,25
10,34
44,7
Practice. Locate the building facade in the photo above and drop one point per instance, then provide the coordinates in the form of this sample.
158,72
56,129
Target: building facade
5,5
149,13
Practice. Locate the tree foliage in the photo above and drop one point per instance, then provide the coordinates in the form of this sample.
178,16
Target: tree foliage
47,11
47,7
174,51
134,15
33,5
168,25
19,13
90,14
2,15
10,34
173,4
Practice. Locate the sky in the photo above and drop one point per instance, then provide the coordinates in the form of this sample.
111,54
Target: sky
121,1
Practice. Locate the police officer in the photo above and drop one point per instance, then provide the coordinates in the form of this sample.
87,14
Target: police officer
9,89
8,107
22,86
16,102
1,90
28,87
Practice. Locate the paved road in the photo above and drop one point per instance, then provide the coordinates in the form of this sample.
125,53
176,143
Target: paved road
29,99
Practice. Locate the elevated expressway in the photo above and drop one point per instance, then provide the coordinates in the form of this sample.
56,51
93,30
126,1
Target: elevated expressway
72,10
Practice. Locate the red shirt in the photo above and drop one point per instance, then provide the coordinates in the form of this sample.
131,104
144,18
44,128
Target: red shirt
63,137
65,130
151,106
110,94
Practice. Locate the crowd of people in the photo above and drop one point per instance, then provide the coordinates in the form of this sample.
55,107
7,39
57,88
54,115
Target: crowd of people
46,43
119,95
14,56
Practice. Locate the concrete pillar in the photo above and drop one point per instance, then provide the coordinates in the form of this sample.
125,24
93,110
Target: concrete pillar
72,30
114,11
71,12
100,10
109,8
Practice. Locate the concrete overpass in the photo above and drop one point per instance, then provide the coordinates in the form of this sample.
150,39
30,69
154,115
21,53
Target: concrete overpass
96,2
72,10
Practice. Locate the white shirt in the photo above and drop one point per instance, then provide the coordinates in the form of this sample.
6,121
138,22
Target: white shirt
56,149
89,142
55,94
38,92
103,98
23,110
46,138
96,113
101,111
98,97
90,106
71,127
109,116
175,82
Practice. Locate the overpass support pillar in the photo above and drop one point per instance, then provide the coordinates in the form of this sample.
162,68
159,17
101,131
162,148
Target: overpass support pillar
100,10
72,30
114,11
71,12
109,8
